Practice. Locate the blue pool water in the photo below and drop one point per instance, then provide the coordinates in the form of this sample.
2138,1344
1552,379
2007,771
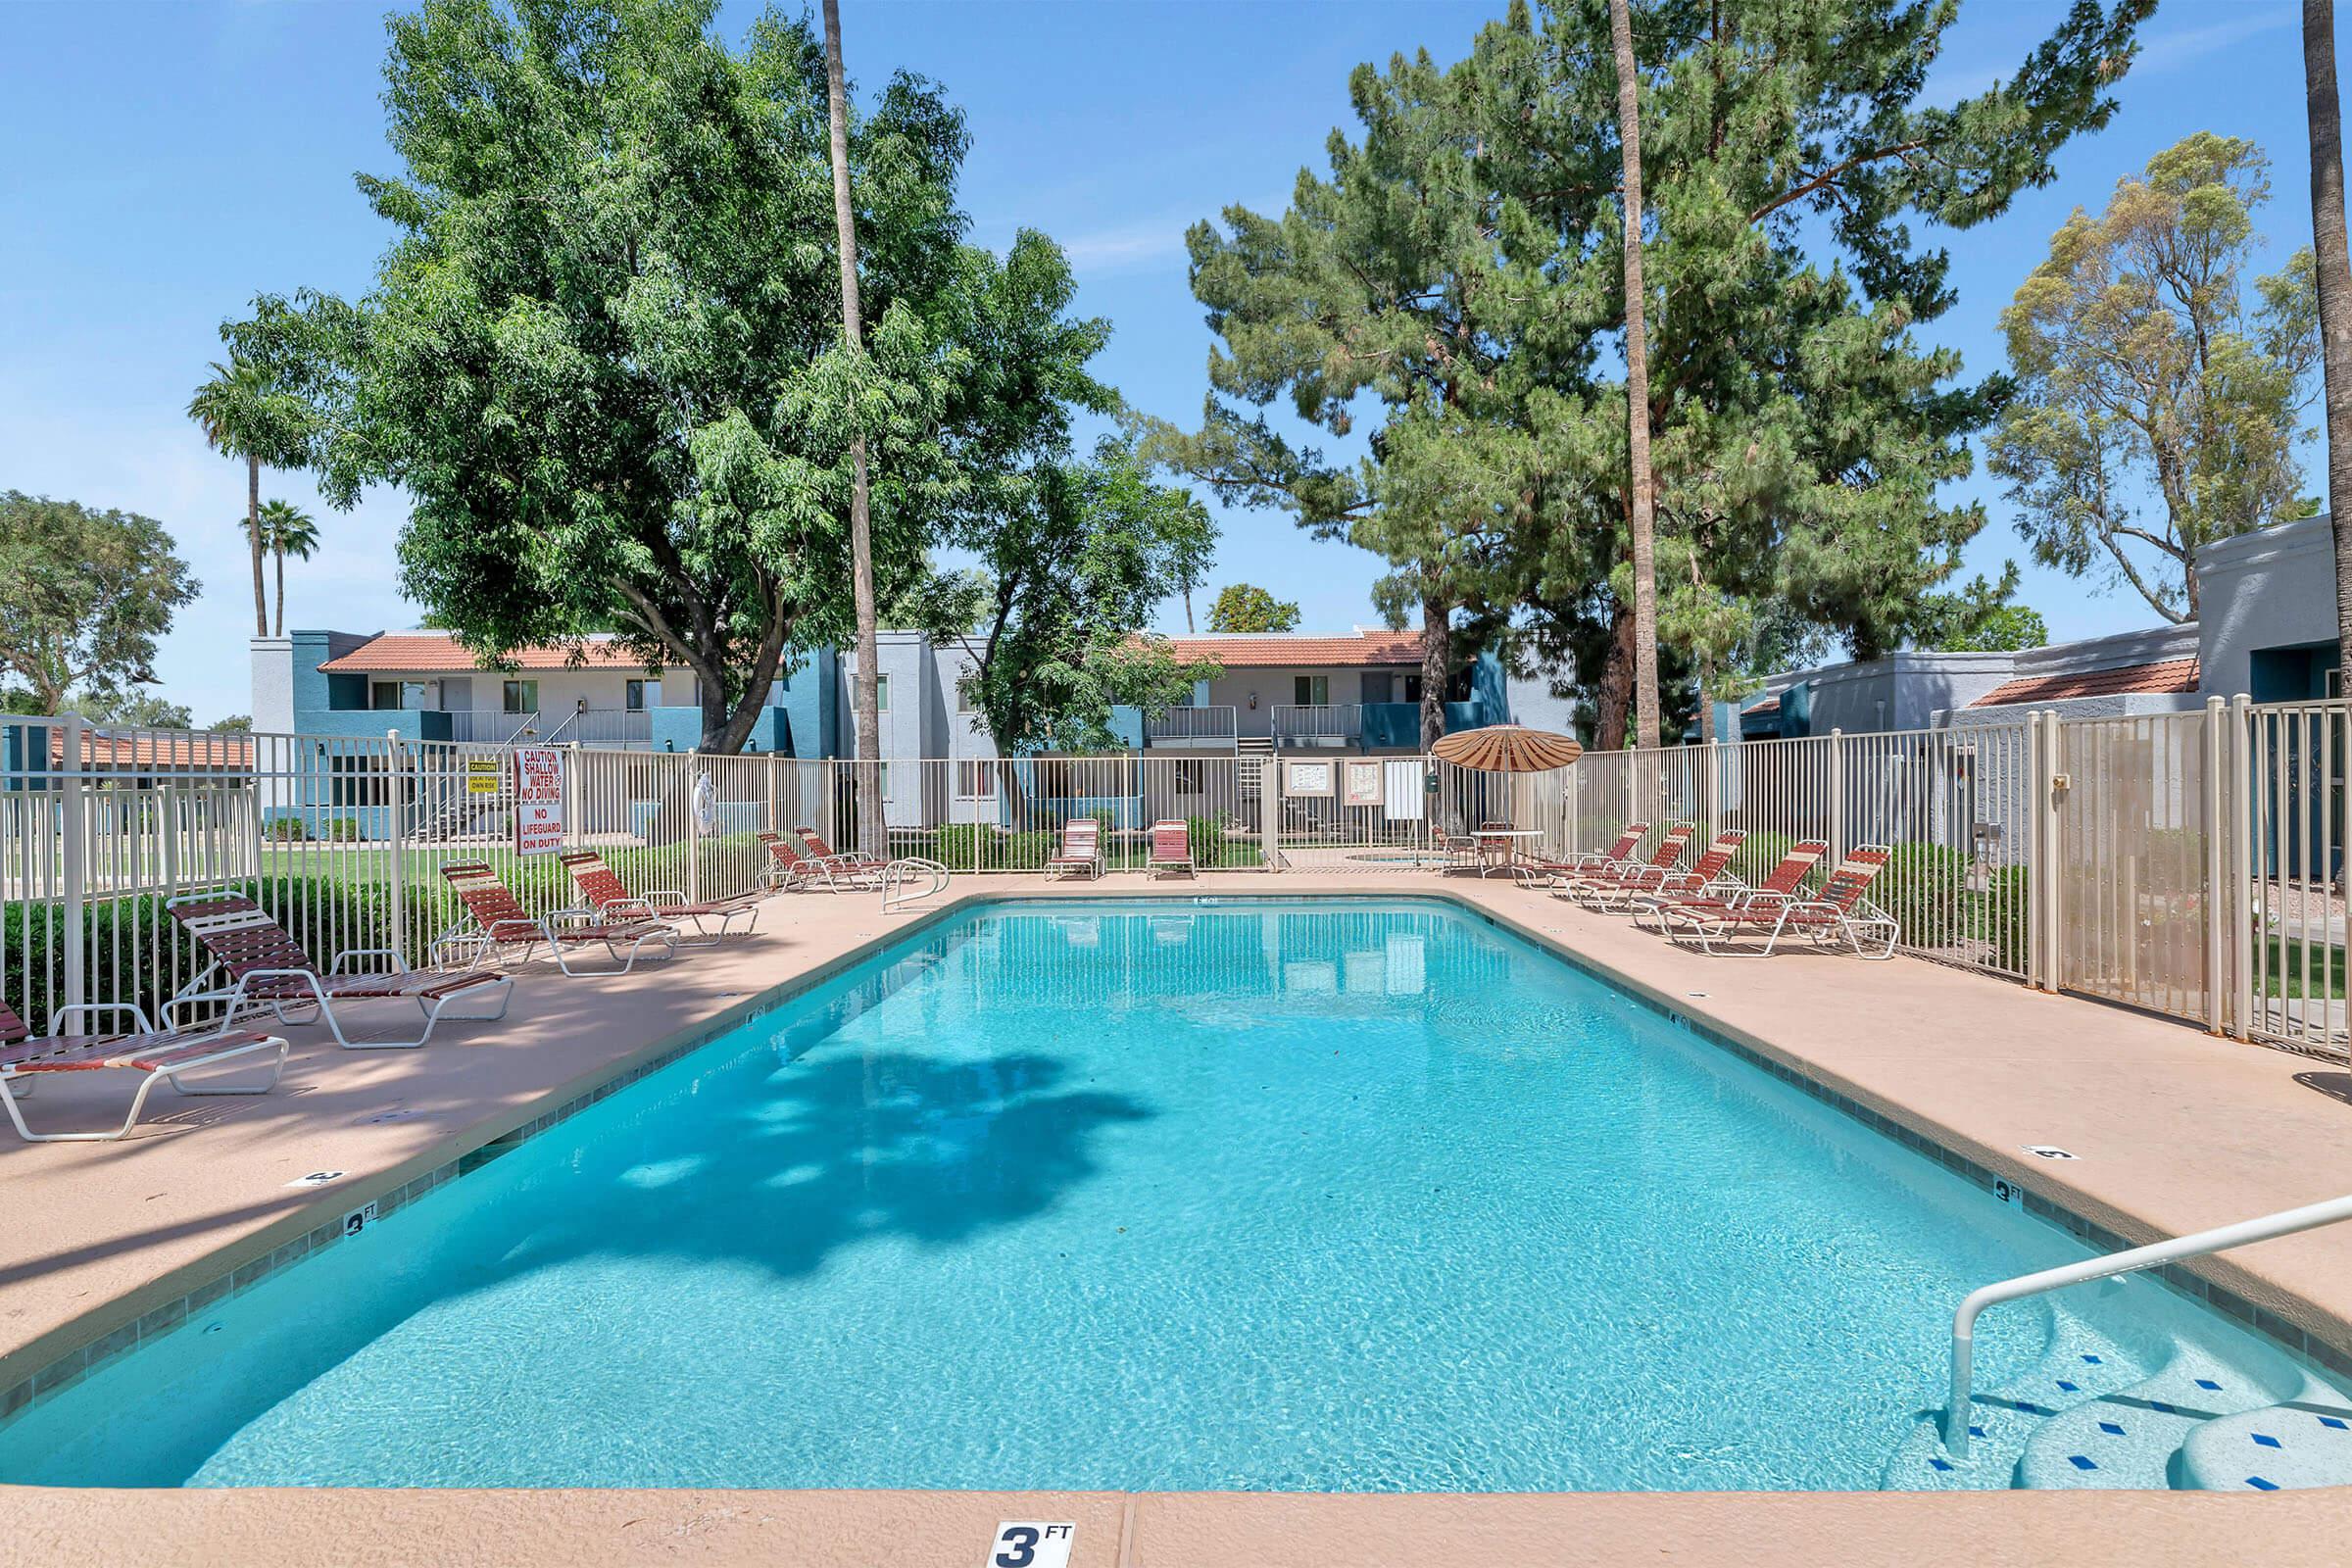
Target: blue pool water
1363,1196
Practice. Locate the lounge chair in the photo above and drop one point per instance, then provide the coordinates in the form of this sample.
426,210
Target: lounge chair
1840,915
265,965
855,862
159,1053
1081,852
604,892
1667,857
1782,883
792,868
1649,880
1537,870
1172,849
495,924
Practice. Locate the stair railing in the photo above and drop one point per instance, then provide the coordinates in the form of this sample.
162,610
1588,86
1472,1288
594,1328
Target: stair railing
2288,1222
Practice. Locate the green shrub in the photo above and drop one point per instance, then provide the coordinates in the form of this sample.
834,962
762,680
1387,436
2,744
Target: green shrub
1924,887
288,827
2003,914
1214,850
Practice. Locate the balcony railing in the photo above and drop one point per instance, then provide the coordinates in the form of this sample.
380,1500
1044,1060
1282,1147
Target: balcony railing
601,726
1319,724
1191,726
481,727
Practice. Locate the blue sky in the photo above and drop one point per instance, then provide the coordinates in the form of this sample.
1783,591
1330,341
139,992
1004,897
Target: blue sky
166,162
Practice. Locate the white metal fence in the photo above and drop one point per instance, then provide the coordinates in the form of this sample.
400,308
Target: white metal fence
2188,863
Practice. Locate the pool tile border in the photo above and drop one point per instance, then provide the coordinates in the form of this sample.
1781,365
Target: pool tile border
71,1368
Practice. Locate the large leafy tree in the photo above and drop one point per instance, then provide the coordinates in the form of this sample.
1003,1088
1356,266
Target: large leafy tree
1066,574
2161,385
1461,272
604,355
1245,606
88,594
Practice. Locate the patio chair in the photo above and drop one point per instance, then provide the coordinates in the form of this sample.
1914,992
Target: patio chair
1538,870
267,967
1664,859
602,888
1172,848
1459,849
856,861
159,1053
1781,884
1647,880
1081,852
1841,914
792,868
495,924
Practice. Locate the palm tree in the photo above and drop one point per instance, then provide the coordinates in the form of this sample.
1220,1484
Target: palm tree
1637,387
286,530
229,410
2325,112
862,538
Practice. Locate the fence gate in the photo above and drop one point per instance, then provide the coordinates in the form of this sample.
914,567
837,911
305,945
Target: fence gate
2140,863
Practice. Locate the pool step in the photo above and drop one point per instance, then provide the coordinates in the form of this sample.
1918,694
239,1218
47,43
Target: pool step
2304,1442
2005,1420
2127,1439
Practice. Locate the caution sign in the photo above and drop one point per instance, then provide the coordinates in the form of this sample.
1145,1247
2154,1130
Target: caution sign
481,776
538,800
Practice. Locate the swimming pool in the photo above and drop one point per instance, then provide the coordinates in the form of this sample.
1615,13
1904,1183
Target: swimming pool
1363,1195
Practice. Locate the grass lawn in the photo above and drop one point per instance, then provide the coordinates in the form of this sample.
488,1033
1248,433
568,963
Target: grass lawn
2286,966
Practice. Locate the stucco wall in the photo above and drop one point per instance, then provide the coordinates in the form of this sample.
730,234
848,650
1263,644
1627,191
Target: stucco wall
2274,588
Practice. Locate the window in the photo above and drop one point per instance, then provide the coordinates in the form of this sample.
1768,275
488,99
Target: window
520,696
397,693
1312,690
1188,777
884,768
632,696
881,694
976,782
1379,686
963,690
1412,689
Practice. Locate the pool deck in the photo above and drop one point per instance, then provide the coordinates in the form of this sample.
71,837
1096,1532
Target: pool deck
2174,1131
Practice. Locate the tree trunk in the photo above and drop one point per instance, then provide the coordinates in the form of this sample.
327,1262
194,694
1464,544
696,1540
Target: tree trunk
2324,111
1637,386
278,559
253,538
1437,657
1613,697
870,832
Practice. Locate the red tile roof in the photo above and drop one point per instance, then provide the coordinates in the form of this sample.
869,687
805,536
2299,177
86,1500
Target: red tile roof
1273,652
405,653
2165,675
166,749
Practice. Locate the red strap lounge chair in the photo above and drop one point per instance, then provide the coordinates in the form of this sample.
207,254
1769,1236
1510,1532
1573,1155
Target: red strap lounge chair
266,966
1840,916
1081,852
600,887
856,863
1666,857
495,924
1538,871
1785,879
1171,849
792,868
157,1054
1650,881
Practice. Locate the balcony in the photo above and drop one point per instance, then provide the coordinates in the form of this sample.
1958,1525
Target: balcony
479,727
1318,724
616,727
1191,729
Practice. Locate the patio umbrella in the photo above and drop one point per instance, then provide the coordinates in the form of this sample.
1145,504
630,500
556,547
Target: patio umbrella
1507,749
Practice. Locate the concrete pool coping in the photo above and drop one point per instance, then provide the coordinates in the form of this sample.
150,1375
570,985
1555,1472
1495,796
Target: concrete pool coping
2175,1130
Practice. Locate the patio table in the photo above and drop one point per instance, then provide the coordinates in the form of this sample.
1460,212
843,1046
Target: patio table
1505,843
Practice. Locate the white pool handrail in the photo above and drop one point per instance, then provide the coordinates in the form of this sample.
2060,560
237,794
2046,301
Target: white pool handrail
898,877
2286,1222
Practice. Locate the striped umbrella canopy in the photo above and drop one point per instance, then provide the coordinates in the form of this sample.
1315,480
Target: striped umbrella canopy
1507,749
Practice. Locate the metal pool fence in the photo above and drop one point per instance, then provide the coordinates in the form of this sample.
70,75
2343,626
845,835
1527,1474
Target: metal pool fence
2187,863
